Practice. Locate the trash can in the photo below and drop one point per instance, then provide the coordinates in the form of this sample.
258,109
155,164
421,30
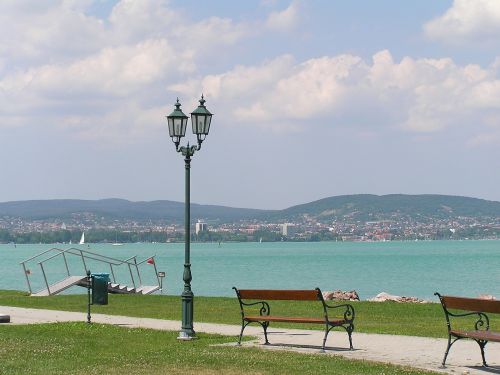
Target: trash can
100,288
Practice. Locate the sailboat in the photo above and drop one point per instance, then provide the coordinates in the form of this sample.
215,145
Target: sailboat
82,240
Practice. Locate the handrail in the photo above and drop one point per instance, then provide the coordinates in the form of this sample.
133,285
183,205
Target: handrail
112,272
156,272
85,255
45,277
99,255
145,260
73,249
36,256
127,260
27,278
137,269
154,265
66,263
83,261
131,275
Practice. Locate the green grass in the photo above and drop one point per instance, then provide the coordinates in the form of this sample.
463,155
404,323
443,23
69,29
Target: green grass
371,317
80,348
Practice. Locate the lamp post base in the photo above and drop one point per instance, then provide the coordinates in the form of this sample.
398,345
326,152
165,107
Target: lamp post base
187,336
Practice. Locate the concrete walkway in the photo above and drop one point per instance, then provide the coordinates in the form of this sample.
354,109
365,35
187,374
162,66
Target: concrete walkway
419,352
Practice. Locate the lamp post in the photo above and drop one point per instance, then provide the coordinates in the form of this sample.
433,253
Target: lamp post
177,123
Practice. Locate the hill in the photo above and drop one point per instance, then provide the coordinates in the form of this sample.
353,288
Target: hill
361,207
120,209
366,207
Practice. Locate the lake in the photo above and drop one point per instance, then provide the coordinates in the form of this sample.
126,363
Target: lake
466,268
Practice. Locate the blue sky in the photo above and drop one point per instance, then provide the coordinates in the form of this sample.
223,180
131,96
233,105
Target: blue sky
311,99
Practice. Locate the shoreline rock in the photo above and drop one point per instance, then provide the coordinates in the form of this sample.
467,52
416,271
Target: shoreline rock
340,295
382,297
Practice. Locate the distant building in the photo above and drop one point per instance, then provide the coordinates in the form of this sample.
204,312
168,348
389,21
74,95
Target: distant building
63,226
288,230
201,226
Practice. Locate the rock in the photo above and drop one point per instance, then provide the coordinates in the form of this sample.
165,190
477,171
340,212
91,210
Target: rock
487,296
382,297
339,295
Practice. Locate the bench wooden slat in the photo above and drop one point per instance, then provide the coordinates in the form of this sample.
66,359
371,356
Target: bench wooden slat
284,295
480,335
471,304
270,318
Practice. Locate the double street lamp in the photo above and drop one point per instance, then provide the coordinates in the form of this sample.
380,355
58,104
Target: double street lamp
177,123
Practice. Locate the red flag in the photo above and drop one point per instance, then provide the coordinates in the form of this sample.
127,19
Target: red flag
150,261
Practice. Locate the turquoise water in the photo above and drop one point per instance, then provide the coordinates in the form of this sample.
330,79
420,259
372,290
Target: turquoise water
416,269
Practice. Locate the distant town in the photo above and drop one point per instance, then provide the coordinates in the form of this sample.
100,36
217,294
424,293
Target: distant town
307,228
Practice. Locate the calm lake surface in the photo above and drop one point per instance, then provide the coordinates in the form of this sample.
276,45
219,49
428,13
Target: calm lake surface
467,268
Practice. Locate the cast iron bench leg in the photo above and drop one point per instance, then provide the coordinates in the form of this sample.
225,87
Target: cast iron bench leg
265,325
482,344
450,343
350,329
243,325
327,331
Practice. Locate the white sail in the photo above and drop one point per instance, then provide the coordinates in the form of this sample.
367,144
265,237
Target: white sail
82,240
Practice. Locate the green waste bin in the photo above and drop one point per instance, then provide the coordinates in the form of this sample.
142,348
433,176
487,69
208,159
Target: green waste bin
100,288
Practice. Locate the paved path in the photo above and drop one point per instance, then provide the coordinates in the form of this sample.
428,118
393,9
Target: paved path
420,352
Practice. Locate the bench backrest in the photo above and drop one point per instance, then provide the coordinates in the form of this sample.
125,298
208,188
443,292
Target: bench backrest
270,294
471,304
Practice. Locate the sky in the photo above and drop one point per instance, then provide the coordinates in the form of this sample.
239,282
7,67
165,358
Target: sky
311,99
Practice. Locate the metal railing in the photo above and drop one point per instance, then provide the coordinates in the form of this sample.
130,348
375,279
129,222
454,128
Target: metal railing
84,255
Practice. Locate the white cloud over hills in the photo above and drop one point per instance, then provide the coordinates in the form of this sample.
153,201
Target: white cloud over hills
412,95
119,75
466,21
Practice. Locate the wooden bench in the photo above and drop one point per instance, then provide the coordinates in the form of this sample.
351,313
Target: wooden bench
480,332
259,298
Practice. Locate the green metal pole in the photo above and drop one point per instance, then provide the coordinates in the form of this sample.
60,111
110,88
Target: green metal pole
89,285
187,331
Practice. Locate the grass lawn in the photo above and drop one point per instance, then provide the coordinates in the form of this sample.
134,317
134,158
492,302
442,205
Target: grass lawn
80,348
371,317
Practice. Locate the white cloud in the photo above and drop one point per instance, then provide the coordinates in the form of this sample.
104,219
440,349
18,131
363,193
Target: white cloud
467,20
415,95
114,81
67,68
284,20
31,32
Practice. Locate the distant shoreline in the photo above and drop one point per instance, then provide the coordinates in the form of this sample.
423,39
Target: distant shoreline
242,242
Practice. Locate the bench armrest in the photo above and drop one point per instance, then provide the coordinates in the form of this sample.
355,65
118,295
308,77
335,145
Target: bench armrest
265,309
348,312
482,322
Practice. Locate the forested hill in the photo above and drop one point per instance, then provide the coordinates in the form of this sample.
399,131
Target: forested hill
361,207
365,207
120,209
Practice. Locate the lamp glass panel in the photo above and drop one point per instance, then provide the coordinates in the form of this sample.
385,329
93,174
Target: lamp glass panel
201,124
178,127
196,121
207,124
171,127
184,124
